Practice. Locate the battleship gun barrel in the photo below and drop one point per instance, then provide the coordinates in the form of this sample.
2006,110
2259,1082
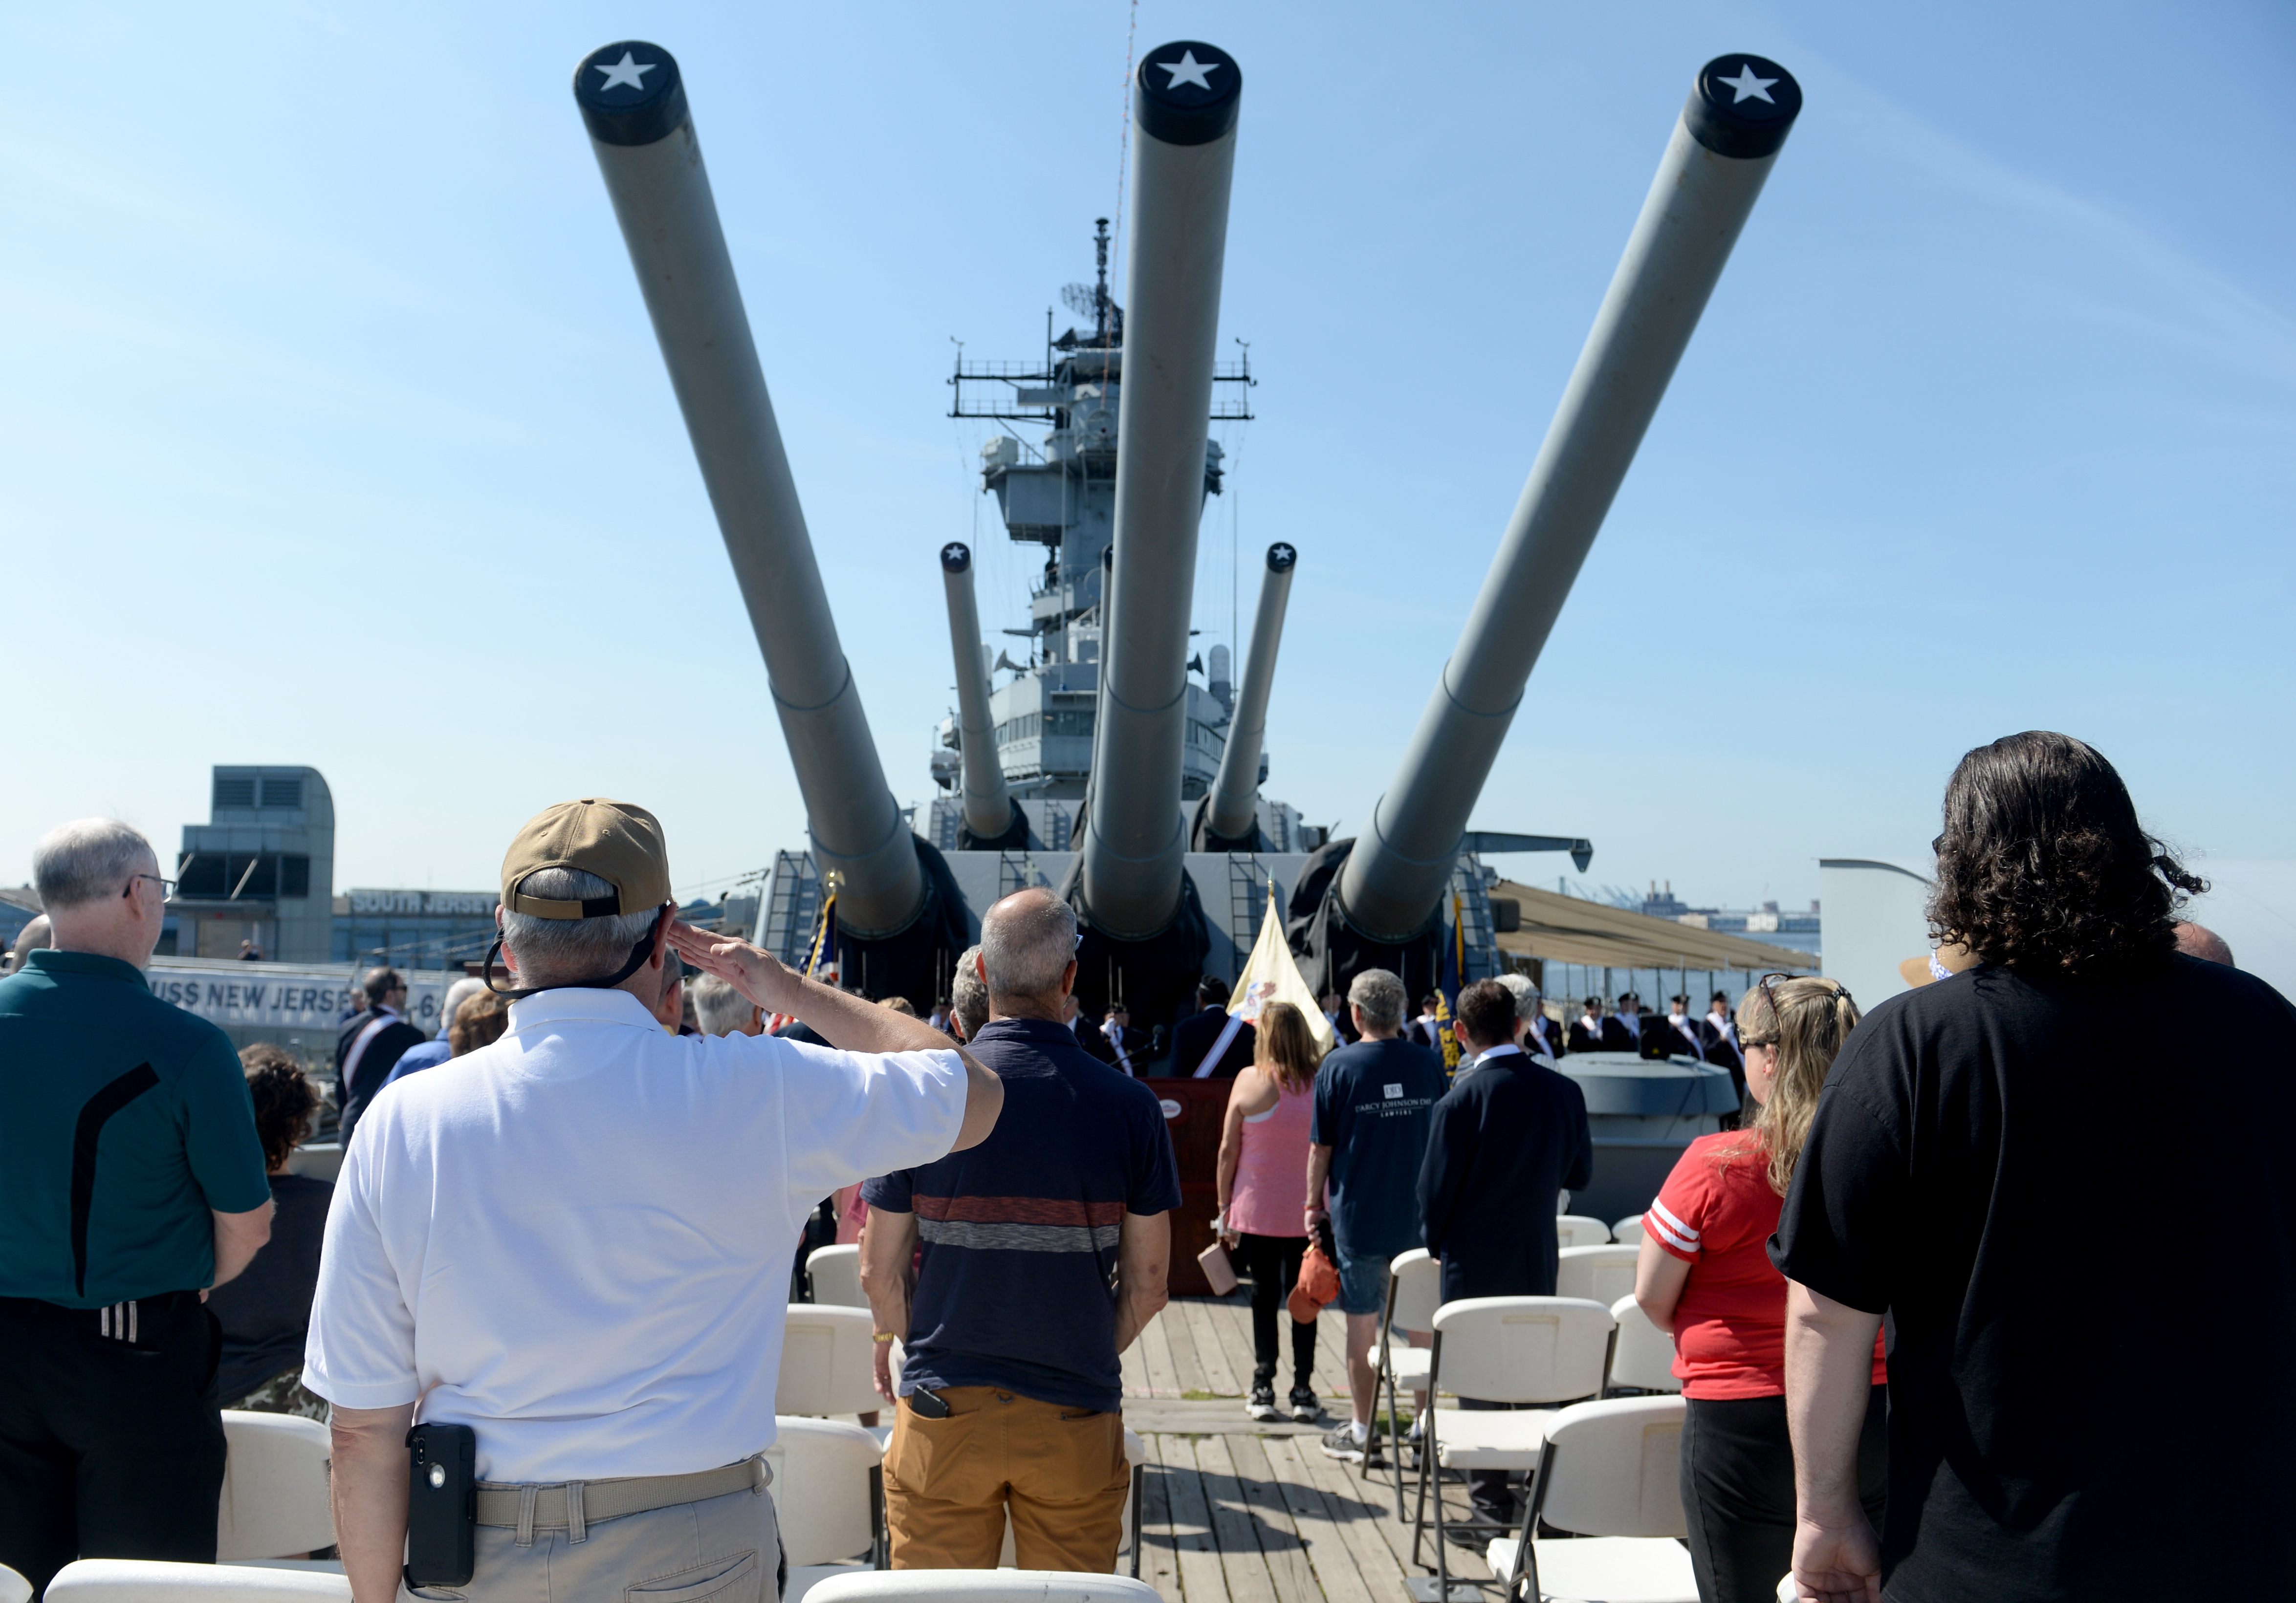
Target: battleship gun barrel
634,104
1235,794
1723,145
988,804
1183,160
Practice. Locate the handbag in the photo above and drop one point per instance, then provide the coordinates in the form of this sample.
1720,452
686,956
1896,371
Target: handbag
1217,1271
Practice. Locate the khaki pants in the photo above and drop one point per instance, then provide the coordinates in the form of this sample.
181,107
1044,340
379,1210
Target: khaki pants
1060,1472
725,1549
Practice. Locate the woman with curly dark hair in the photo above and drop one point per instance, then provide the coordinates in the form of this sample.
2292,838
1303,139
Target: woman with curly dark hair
1969,1174
266,1312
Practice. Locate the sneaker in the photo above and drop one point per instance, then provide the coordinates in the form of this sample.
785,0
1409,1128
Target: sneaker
1306,1407
1261,1405
1341,1443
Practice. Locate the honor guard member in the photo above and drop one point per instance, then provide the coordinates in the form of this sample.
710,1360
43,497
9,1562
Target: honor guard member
1622,1031
1212,1042
1586,1030
131,1179
1685,1038
577,1243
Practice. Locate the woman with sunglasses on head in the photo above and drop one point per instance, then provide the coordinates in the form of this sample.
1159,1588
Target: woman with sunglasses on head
1705,1276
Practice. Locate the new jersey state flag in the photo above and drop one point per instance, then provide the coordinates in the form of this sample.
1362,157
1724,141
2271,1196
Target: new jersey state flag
1269,974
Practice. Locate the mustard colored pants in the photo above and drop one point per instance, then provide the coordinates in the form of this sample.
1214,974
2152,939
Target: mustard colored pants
1059,1472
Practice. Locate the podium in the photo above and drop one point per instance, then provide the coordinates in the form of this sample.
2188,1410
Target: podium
1194,1111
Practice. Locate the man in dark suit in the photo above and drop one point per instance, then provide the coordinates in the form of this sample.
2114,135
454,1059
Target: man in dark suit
1124,1044
1197,1035
1508,1138
370,1045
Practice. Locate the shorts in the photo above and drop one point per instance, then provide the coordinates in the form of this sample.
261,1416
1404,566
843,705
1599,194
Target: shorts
1363,1283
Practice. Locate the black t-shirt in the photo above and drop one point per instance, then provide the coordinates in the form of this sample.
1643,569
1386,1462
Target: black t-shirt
2088,1257
265,1311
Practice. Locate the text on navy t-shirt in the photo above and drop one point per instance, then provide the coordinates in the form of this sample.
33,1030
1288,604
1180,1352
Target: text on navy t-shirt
1372,1109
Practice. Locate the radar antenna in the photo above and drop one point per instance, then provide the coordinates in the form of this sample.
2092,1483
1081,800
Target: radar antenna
1093,300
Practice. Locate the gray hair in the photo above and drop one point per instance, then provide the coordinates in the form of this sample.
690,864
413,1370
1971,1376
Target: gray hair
457,994
1027,943
1381,996
85,861
722,1010
1526,995
553,950
968,998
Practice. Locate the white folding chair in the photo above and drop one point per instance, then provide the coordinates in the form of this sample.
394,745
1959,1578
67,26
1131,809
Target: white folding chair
1643,1358
828,1497
828,1362
1628,1231
1599,1274
274,1487
149,1581
1127,1545
836,1275
1415,1288
14,1587
979,1586
1610,1472
1581,1230
1503,1349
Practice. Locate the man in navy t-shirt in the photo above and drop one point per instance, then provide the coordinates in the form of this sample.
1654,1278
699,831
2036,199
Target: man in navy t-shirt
1372,1102
1044,1250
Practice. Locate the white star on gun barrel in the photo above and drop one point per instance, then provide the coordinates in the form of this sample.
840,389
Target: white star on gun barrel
631,71
1748,86
1187,70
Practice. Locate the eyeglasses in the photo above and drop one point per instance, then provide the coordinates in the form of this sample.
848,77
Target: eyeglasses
167,887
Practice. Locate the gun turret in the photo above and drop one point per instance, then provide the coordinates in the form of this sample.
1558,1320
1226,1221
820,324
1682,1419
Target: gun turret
1233,815
990,817
1723,145
633,102
1183,158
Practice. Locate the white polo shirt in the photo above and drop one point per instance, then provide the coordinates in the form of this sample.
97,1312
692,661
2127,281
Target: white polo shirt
577,1240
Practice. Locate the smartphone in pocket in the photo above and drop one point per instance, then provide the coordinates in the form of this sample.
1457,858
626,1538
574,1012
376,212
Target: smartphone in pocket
442,1505
927,1404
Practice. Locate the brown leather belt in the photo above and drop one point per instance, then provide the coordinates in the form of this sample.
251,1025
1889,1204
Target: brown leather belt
571,1505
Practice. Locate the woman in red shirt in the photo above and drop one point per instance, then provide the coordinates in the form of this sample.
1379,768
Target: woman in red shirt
1705,1275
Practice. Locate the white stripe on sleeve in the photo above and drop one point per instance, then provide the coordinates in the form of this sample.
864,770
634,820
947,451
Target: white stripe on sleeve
1670,1230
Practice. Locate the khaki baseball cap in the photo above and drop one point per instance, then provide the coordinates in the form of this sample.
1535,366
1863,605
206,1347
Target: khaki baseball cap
619,843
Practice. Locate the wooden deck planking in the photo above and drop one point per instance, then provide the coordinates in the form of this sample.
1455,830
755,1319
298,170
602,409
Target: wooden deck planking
1186,1372
1212,1358
1243,1559
1353,1564
1289,1563
1196,1559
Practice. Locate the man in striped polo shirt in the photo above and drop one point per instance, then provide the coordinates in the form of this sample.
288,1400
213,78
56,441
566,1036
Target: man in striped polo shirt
1043,1253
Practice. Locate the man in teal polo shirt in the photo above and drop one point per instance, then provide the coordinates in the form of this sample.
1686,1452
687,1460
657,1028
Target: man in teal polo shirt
131,1179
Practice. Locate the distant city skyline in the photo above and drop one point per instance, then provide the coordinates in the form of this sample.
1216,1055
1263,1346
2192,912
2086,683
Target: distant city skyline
337,434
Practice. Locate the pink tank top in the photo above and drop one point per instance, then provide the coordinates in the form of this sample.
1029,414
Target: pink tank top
1271,1174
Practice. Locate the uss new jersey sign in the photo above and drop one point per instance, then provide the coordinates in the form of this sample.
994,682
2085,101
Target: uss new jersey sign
285,995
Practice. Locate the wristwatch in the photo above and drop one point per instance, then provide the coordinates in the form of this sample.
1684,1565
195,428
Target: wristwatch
882,1336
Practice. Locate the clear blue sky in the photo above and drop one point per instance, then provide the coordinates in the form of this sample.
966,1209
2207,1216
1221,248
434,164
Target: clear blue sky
333,431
